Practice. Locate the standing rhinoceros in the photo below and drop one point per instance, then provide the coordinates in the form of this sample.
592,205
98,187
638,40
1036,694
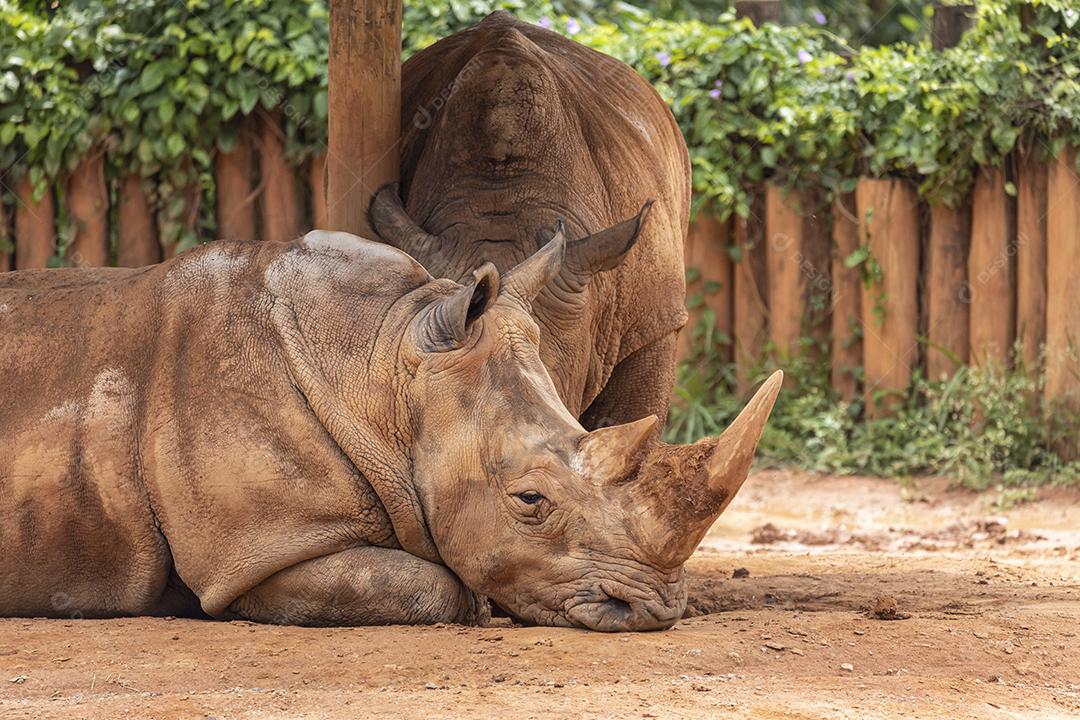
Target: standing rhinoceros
321,433
507,127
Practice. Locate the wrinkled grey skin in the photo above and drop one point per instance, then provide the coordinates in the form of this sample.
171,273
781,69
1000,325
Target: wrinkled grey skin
318,433
506,128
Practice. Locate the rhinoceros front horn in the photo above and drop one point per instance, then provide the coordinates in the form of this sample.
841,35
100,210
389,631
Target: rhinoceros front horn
688,486
393,225
526,279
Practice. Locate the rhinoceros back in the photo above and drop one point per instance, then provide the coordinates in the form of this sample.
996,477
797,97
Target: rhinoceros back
76,530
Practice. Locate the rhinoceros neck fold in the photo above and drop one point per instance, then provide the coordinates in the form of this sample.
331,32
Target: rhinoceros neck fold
366,420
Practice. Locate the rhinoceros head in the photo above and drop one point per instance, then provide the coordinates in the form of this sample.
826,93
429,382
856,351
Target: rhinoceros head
557,525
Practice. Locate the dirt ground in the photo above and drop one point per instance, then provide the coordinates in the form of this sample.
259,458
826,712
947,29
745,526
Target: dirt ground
853,598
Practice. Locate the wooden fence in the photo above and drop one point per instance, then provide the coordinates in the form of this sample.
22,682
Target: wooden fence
259,195
933,287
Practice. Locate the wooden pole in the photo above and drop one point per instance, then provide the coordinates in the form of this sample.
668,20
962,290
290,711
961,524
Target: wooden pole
364,107
5,237
888,212
750,312
35,228
990,271
317,179
1031,211
1062,299
233,177
783,260
281,201
846,300
136,232
88,203
707,252
759,11
950,24
949,300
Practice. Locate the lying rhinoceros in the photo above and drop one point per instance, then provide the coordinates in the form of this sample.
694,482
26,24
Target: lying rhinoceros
507,127
321,433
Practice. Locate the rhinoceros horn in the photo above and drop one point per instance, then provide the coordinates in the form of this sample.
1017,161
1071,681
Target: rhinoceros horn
395,227
446,323
523,281
688,486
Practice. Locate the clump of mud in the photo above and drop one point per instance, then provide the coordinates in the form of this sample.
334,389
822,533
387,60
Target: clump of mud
884,607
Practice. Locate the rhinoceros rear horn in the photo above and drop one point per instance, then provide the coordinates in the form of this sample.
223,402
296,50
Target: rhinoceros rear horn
604,250
389,220
525,280
446,323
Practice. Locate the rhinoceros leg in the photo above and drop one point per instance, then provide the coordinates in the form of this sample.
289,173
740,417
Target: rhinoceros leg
639,386
362,586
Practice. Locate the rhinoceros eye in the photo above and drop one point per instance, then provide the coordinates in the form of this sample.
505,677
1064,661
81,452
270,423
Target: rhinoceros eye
530,497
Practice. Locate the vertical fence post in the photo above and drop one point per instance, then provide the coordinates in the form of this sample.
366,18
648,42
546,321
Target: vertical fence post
846,302
888,212
35,229
233,175
759,11
1031,211
1062,389
797,259
948,300
750,317
707,252
136,232
5,236
88,203
786,294
364,107
950,24
990,271
281,209
317,180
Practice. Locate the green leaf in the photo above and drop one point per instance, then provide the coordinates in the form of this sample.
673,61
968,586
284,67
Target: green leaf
166,110
152,76
175,144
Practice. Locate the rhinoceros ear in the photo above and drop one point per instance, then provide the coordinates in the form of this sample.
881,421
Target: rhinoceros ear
605,250
526,279
389,220
446,323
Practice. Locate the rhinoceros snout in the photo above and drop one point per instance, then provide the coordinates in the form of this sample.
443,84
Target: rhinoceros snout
613,614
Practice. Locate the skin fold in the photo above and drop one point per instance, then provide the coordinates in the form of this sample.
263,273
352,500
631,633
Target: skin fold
506,128
321,433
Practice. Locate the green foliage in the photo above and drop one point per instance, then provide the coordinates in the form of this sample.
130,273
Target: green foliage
165,85
980,426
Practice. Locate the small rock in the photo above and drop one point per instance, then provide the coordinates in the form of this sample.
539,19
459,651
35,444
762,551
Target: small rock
18,679
847,667
501,677
775,646
431,686
796,651
740,572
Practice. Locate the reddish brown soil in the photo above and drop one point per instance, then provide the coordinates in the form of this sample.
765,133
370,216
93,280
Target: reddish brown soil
991,608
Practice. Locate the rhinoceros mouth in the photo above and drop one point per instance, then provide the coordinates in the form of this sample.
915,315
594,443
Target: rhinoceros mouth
613,614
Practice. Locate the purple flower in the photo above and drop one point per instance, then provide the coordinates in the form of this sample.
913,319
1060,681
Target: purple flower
573,26
719,84
819,17
664,58
805,57
850,76
544,22
715,94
